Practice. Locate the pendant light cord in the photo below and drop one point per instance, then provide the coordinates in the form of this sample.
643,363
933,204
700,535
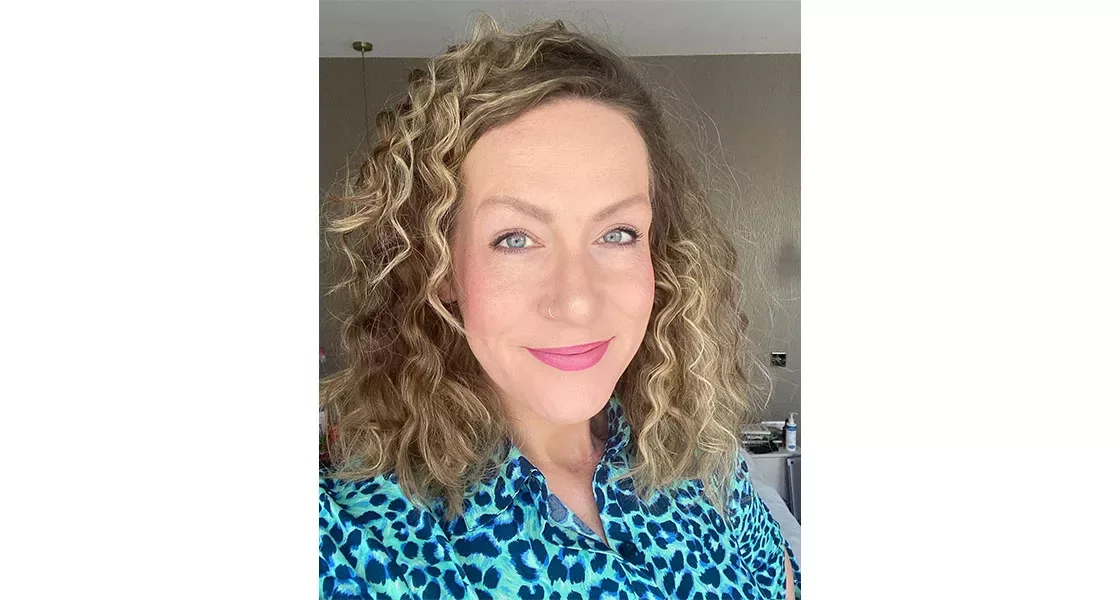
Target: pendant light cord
363,47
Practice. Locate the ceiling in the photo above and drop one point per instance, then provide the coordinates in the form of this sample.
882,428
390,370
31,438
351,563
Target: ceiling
421,28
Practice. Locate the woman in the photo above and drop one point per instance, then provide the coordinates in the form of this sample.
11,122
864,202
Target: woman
543,392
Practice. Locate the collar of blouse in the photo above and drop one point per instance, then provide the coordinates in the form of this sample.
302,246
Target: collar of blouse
492,497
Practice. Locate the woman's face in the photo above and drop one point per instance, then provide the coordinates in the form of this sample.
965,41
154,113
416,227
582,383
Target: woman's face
551,203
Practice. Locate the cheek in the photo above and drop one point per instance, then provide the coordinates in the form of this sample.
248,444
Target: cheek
632,284
490,295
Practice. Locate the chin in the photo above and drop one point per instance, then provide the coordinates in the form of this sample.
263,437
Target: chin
575,403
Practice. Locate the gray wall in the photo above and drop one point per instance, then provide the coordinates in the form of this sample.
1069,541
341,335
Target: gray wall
737,118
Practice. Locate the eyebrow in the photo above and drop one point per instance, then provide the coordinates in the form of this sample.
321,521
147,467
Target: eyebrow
546,216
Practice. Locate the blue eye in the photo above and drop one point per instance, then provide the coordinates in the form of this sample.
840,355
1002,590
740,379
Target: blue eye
615,235
517,241
521,241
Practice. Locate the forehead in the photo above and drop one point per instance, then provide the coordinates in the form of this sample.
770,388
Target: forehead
562,151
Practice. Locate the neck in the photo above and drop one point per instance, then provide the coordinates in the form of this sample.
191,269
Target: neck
574,447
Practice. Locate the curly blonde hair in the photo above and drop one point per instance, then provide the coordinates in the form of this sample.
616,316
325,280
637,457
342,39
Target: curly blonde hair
412,399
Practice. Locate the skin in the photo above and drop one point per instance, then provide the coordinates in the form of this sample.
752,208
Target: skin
571,159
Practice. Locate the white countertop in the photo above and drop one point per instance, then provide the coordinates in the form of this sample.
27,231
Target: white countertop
778,454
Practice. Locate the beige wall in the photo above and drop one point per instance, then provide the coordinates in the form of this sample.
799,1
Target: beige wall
738,119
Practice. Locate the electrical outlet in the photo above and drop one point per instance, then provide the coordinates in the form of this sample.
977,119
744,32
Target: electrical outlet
778,359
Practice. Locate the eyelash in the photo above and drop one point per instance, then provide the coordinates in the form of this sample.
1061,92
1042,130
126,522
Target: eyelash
634,233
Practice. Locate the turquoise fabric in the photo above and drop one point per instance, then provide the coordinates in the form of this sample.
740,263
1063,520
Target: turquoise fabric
515,539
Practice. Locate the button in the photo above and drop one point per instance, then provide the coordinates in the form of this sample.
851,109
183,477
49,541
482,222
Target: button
628,550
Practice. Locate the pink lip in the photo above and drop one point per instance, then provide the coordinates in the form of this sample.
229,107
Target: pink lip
572,349
572,358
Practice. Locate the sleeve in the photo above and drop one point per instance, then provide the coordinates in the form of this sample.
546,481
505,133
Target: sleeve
761,545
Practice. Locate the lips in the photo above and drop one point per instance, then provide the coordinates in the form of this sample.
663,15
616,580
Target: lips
569,350
572,358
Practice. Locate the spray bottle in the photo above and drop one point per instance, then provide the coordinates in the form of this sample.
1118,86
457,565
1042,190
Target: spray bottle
791,433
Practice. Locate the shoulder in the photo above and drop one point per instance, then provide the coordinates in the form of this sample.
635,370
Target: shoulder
351,511
759,536
742,494
751,520
363,502
375,507
368,532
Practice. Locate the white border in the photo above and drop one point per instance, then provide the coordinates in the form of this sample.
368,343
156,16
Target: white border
161,262
959,202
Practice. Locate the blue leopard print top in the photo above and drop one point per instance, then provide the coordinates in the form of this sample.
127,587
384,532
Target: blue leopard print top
517,540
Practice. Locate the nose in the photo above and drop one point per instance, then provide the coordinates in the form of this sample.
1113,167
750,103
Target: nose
573,300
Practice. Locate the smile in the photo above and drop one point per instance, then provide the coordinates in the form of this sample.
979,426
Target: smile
572,358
